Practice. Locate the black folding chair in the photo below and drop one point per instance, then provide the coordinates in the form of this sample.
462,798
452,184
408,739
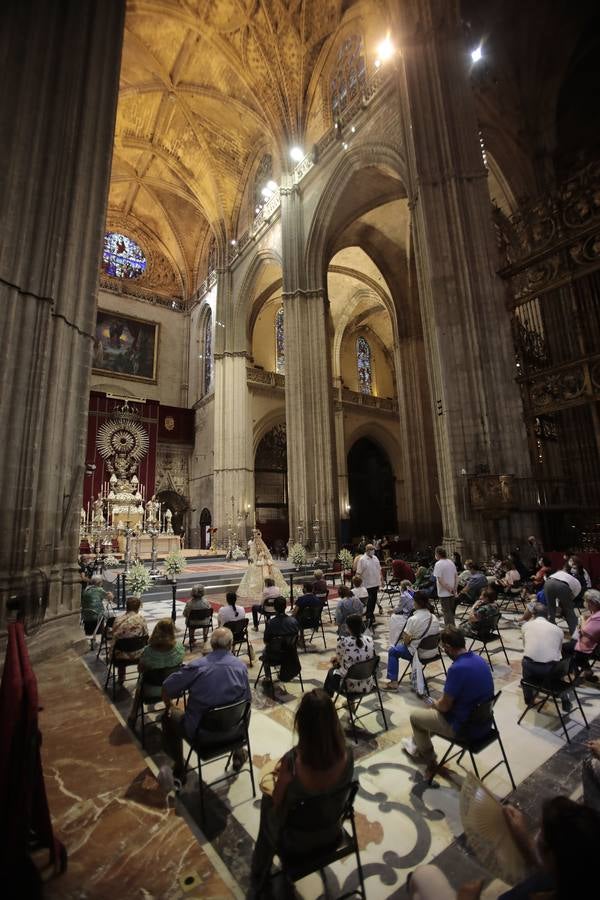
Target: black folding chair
429,642
105,630
512,596
554,688
277,652
126,646
485,632
391,589
325,601
360,672
239,630
150,678
305,847
222,731
198,618
310,618
482,719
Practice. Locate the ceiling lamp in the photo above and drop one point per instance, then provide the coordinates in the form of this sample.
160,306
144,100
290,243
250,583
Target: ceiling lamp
297,153
476,54
385,50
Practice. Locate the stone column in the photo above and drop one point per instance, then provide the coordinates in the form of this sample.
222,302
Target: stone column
312,478
476,407
234,463
57,113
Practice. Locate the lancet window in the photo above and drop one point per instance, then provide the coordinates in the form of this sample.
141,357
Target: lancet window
363,361
349,74
279,342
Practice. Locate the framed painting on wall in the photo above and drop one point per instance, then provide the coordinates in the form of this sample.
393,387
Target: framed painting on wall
125,347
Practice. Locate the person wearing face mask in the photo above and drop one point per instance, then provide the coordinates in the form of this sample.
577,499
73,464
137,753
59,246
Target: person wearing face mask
369,569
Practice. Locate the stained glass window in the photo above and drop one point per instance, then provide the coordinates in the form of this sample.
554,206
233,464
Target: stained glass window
208,359
349,75
122,257
279,343
363,360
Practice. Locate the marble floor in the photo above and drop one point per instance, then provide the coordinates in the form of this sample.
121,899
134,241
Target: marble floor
124,841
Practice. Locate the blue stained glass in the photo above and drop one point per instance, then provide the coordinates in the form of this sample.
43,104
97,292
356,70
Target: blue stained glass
363,360
279,343
349,76
122,257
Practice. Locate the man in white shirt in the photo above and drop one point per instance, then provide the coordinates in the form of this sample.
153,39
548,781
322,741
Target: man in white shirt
542,648
563,588
369,569
446,579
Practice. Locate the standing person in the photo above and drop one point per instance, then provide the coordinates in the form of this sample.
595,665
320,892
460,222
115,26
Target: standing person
562,588
446,579
369,569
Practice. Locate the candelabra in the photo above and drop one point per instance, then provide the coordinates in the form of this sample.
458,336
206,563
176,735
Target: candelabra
153,532
317,532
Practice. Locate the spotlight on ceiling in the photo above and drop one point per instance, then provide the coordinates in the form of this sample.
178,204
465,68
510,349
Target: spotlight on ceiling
476,54
265,192
297,153
233,242
272,185
385,50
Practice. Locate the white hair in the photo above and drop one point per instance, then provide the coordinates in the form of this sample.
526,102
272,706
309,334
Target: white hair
198,590
96,579
221,639
592,596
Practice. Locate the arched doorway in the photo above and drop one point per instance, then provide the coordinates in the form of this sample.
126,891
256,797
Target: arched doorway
178,506
205,523
270,486
372,490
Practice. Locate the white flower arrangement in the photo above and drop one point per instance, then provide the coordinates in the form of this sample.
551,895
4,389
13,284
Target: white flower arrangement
345,557
138,579
111,562
297,554
238,553
174,563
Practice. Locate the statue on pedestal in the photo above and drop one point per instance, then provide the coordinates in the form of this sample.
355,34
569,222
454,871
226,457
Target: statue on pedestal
168,518
152,509
98,506
260,566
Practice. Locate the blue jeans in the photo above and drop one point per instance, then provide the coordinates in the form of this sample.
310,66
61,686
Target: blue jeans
395,653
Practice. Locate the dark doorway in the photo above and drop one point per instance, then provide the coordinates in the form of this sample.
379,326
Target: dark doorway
270,488
372,490
205,534
178,506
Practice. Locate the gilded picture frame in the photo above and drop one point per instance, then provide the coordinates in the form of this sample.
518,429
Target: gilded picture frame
125,347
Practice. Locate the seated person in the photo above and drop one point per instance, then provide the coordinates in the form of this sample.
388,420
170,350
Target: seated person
483,608
162,652
320,763
130,625
217,679
266,608
401,612
319,585
197,601
422,579
348,605
354,647
359,590
469,682
511,579
421,624
577,570
93,601
306,600
589,636
542,649
401,571
281,625
475,583
231,612
544,569
464,576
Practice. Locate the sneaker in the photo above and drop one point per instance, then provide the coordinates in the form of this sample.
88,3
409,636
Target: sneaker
588,675
390,686
409,747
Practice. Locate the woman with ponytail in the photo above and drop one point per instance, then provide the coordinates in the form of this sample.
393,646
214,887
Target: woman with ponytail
231,612
354,647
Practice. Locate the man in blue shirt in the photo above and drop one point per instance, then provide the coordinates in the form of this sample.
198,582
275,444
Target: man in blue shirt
217,679
307,600
468,683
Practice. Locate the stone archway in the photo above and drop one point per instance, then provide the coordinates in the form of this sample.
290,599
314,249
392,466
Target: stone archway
270,486
205,524
372,490
178,506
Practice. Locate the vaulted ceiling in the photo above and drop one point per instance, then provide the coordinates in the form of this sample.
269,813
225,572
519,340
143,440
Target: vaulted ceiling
207,88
